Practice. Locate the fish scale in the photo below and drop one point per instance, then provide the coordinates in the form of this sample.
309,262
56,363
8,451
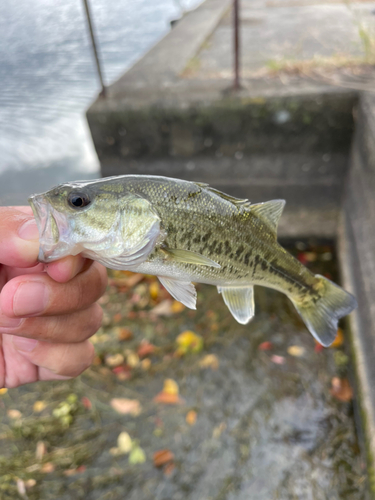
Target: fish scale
185,232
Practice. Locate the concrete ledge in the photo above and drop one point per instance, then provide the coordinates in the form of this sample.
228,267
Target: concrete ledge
174,51
357,258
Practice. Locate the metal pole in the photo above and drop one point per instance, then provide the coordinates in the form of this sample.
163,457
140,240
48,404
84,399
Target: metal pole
88,15
236,23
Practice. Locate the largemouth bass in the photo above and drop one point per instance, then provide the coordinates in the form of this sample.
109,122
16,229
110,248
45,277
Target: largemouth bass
185,232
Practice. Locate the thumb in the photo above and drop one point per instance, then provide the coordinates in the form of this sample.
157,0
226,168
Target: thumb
19,237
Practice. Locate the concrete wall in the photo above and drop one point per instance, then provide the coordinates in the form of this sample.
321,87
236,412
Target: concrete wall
357,255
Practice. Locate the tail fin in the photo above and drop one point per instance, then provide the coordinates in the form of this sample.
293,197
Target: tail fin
321,317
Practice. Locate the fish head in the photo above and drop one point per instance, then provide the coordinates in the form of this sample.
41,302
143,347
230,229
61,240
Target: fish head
96,219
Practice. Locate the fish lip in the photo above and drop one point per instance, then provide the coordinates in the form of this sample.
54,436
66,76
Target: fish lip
48,251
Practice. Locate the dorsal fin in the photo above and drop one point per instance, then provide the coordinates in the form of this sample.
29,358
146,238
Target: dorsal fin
269,212
239,202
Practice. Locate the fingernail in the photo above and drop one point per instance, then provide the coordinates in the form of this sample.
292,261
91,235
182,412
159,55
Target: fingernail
6,322
29,230
30,298
23,344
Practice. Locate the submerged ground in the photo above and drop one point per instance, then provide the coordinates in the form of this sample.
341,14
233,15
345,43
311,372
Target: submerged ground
221,412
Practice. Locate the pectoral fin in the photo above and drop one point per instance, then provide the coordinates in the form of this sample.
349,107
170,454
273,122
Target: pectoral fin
188,257
240,302
183,291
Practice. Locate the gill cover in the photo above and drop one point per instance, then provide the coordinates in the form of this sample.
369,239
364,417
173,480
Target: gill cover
131,238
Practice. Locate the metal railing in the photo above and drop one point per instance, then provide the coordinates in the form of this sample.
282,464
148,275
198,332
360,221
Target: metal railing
236,46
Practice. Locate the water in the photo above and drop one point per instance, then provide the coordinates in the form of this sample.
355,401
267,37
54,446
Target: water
48,79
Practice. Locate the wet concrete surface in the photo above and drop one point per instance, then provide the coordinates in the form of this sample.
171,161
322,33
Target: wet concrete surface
267,425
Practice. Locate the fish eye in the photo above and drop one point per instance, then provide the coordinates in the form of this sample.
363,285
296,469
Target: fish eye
78,200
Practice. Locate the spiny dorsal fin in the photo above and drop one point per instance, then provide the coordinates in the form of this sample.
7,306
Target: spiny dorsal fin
239,202
269,212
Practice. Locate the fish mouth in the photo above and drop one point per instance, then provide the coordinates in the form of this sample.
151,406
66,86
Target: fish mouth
49,223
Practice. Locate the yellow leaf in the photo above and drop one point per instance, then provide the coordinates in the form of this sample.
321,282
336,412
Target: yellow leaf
209,361
154,290
191,417
189,341
170,387
124,442
296,351
3,391
339,340
137,456
39,406
132,359
177,307
114,360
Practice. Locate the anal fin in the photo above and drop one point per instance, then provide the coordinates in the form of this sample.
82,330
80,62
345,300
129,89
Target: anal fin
183,291
240,302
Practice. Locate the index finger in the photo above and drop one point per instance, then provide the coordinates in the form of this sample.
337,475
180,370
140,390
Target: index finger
19,238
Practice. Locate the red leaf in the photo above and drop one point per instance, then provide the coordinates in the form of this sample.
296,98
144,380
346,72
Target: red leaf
86,403
265,346
145,349
162,457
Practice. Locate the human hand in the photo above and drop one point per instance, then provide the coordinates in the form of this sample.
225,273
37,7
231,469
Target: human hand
47,312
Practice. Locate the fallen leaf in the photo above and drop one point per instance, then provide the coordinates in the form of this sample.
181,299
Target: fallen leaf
265,346
73,472
123,334
30,483
137,456
167,399
114,360
189,341
126,406
339,340
318,347
145,349
4,390
209,361
115,451
132,359
154,290
302,258
86,403
169,394
163,309
124,442
145,364
162,457
97,361
117,318
278,360
21,488
191,417
170,387
47,468
122,372
14,414
40,450
341,389
39,406
218,430
296,351
177,307
310,256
